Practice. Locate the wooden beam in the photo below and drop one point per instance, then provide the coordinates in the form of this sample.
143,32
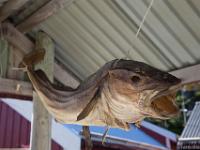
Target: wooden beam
189,74
66,78
16,38
8,86
13,62
15,89
22,43
10,7
42,14
4,53
41,124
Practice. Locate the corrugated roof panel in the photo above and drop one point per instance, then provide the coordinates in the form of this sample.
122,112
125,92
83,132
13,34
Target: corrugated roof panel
70,49
184,31
160,27
192,128
152,47
114,34
68,61
135,135
137,47
188,15
90,33
95,31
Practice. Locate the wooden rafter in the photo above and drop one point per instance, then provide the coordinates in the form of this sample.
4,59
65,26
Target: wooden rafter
16,38
15,89
10,7
66,78
21,42
189,74
42,14
8,87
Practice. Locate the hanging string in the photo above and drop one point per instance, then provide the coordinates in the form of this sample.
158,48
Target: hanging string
144,17
141,24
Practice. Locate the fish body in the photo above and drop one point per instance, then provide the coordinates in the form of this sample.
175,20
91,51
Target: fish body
119,93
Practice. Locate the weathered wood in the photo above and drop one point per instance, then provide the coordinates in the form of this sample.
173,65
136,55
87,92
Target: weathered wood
41,125
4,52
16,38
10,7
12,88
22,43
40,15
13,63
65,77
189,74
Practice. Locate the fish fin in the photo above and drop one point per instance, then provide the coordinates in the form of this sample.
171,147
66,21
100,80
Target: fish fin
85,112
138,124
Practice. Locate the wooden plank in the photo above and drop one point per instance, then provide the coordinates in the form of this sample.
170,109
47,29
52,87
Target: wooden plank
4,52
42,14
189,74
16,38
65,77
12,88
41,124
22,43
10,7
13,63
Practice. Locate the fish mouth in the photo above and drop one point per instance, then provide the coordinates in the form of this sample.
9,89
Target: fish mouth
163,103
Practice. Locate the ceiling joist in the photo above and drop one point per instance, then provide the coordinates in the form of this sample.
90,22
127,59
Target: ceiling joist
10,7
42,14
189,74
15,89
21,42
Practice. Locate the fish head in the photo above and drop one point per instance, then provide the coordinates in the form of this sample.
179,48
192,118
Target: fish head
152,90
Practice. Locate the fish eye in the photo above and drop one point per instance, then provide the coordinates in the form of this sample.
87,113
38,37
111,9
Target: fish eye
135,79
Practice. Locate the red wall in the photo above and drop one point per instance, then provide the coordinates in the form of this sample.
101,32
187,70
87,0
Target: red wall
15,129
158,137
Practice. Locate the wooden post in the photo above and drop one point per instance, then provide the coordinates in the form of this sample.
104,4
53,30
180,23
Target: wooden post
3,57
10,7
41,123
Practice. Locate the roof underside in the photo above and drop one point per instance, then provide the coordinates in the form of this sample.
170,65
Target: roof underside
89,33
